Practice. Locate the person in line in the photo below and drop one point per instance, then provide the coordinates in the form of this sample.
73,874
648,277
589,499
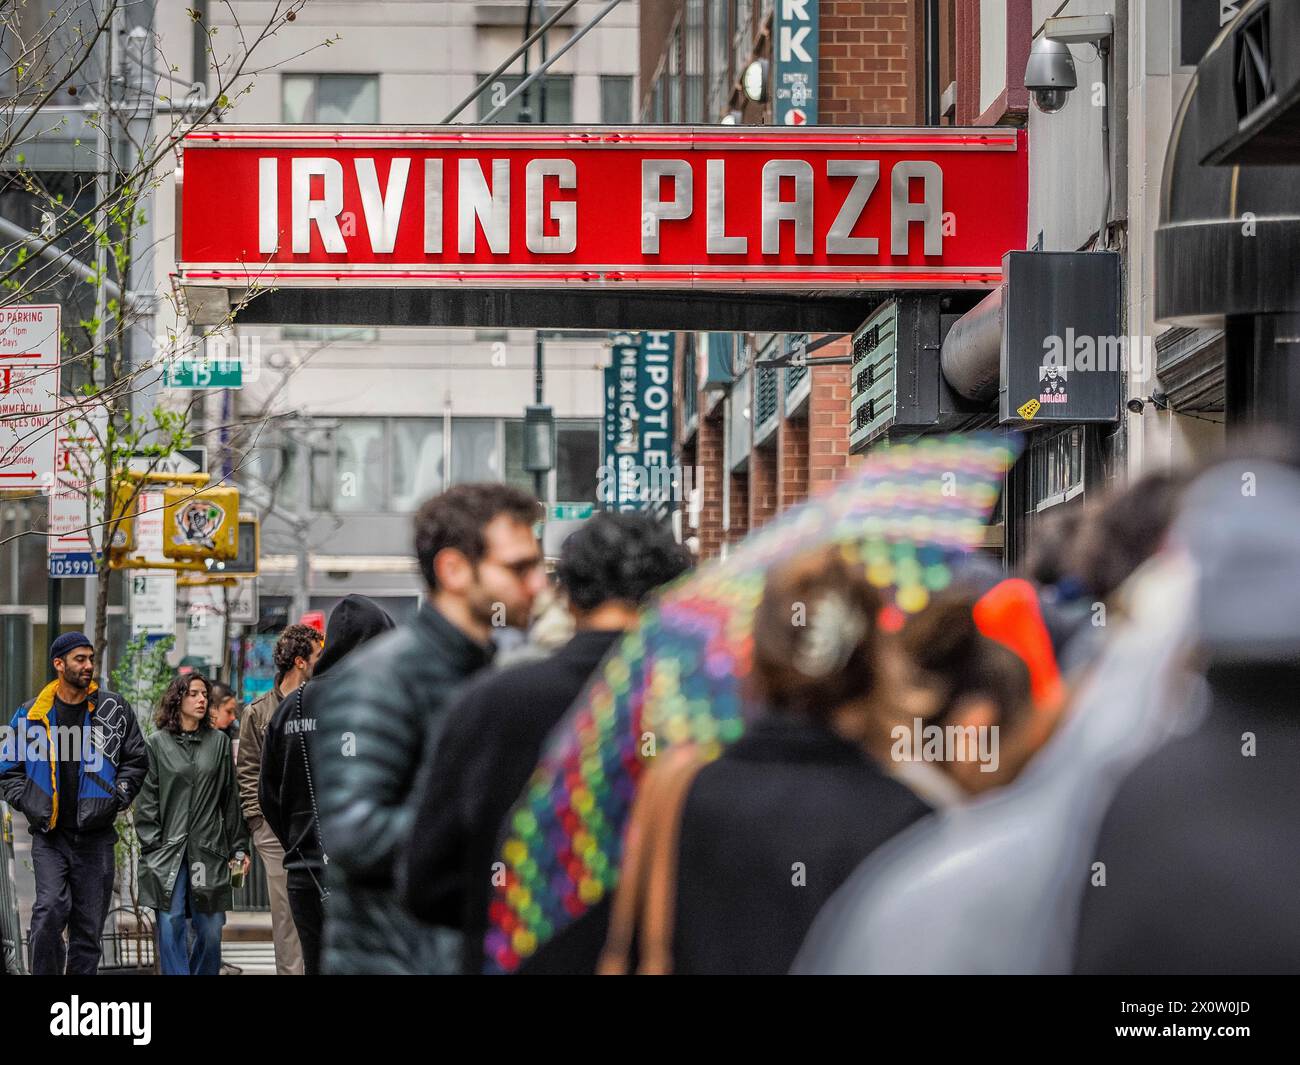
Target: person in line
494,736
295,656
288,796
992,884
1201,841
192,835
970,650
78,760
482,567
773,826
224,714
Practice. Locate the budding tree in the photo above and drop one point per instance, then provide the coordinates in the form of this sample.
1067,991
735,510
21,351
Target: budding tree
92,79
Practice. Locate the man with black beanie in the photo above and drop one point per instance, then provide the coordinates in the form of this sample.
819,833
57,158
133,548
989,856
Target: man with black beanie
288,789
72,759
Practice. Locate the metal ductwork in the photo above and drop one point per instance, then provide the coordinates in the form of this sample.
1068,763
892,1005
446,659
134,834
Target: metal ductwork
971,354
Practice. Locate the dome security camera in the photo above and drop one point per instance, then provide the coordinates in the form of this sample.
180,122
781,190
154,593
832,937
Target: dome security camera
1049,74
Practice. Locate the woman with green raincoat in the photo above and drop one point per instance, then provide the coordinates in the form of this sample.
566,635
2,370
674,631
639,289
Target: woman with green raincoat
192,835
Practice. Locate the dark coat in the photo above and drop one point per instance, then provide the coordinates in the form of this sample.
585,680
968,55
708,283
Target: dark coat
189,808
1201,844
769,832
287,780
387,702
113,766
489,748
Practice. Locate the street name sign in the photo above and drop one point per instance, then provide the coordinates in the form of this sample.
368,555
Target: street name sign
802,210
71,547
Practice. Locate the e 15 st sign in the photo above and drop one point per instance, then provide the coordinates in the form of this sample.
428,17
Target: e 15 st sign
668,207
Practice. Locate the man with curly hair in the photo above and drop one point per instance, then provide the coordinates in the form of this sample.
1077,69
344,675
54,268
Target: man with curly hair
493,737
295,655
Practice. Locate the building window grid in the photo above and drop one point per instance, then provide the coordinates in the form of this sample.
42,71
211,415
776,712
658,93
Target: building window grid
1058,463
326,485
559,98
615,99
329,98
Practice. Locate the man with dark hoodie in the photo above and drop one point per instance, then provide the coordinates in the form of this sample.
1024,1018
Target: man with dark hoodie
494,735
287,788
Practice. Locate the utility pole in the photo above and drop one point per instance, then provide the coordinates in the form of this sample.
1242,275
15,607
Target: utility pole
103,181
302,586
539,360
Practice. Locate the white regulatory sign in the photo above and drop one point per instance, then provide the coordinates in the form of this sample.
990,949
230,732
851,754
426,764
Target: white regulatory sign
29,395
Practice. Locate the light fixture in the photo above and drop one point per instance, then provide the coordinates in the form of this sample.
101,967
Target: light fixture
731,118
754,81
1049,74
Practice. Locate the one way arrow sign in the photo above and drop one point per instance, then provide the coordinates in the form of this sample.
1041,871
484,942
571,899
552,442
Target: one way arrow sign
186,460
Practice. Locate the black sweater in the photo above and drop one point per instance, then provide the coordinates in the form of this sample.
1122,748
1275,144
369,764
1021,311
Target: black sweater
489,747
769,832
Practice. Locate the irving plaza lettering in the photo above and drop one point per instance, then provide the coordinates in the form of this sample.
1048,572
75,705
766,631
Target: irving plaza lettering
486,189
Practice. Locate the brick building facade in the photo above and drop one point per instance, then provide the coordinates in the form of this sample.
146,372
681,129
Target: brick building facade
759,441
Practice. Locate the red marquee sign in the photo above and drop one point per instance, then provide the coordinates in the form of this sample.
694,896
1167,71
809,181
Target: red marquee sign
661,207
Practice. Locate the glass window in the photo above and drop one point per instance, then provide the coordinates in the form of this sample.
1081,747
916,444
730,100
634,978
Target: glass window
577,462
271,465
694,60
359,464
475,455
514,441
615,99
719,54
673,80
559,98
417,466
330,99
322,477
655,114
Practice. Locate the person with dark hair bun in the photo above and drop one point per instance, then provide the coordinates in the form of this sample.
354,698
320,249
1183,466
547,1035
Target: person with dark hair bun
987,692
771,829
494,734
193,840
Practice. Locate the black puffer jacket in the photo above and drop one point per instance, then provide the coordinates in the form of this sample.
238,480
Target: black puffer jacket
373,724
287,774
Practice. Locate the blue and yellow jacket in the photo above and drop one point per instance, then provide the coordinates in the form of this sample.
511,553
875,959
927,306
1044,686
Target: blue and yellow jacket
113,762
